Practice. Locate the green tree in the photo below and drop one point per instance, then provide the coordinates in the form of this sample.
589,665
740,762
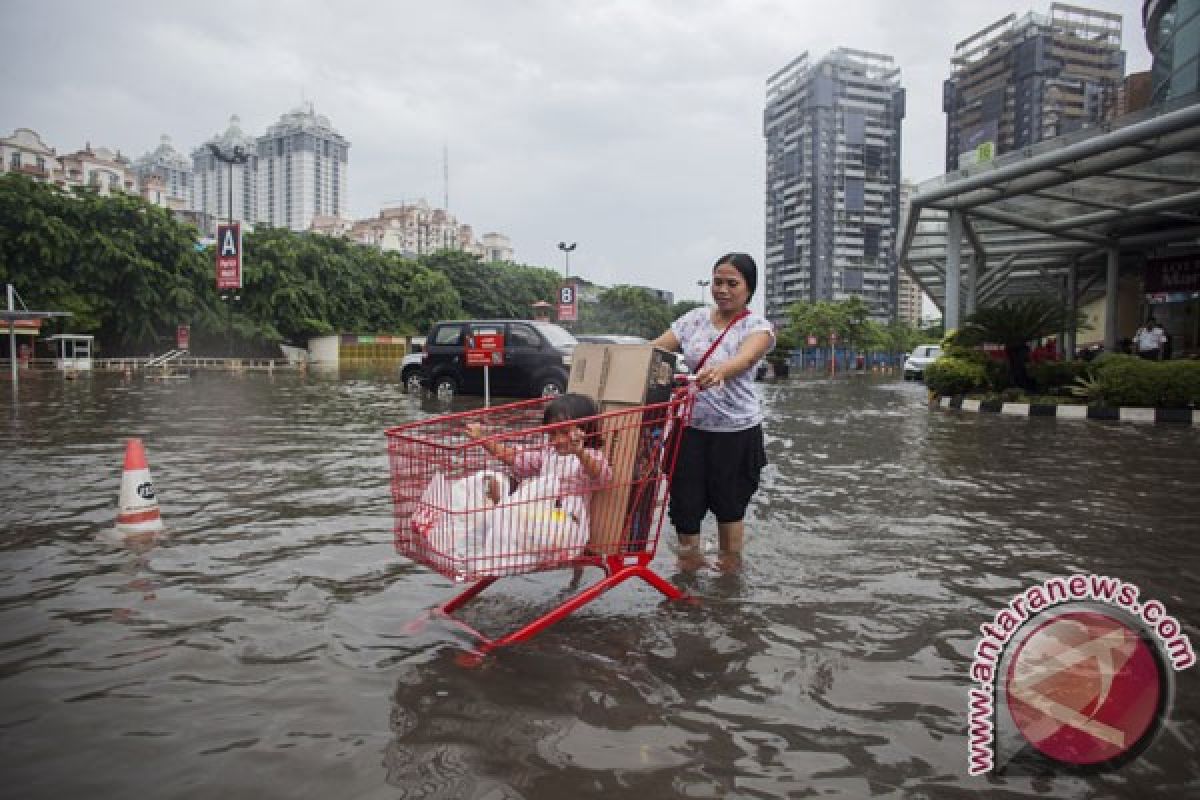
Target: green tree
131,272
628,310
1014,324
682,307
494,290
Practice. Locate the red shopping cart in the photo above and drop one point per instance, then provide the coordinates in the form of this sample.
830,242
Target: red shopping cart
509,502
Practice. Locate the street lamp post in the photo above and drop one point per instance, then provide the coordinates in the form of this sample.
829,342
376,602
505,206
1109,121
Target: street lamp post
567,248
703,285
238,156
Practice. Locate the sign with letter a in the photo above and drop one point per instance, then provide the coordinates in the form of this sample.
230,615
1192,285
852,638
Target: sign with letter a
229,256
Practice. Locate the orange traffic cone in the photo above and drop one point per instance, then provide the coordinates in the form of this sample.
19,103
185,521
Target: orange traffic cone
138,508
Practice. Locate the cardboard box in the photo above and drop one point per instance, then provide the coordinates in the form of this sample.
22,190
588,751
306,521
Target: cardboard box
622,515
633,374
623,377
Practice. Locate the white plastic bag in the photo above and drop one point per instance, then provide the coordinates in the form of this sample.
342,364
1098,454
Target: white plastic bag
453,515
535,525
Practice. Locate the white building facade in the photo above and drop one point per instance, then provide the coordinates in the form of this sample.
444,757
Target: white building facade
24,152
174,174
302,171
211,197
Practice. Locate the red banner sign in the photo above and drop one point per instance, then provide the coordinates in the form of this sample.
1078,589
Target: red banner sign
183,336
485,350
229,256
568,303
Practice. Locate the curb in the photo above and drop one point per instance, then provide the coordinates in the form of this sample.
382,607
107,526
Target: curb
1157,416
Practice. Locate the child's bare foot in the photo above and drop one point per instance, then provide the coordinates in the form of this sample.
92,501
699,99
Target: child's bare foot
691,557
729,562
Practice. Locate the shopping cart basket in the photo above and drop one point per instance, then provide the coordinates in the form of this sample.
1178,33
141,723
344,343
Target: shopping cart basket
511,502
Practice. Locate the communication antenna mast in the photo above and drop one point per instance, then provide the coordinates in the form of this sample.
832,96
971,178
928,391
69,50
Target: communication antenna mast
446,178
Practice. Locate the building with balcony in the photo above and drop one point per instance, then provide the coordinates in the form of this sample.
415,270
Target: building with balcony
26,154
302,170
1022,80
496,247
99,168
418,229
832,130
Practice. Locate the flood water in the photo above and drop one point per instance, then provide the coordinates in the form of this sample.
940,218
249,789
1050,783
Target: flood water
264,647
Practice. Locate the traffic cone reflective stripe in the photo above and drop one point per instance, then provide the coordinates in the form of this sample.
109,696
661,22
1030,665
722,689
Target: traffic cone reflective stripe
138,506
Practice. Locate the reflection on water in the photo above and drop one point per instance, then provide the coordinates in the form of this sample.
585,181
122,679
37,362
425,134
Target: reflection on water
265,643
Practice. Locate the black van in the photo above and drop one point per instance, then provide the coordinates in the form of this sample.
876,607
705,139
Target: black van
537,358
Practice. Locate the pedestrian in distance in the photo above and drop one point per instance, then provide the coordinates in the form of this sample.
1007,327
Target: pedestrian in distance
721,453
1149,340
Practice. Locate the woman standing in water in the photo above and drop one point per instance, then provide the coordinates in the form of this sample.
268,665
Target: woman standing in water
721,453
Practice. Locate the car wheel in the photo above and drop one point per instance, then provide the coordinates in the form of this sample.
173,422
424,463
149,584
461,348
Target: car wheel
411,378
550,386
445,386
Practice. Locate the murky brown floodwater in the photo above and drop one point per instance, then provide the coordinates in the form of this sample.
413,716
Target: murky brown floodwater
260,649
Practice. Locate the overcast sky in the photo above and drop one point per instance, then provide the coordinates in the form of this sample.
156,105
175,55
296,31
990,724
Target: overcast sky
632,128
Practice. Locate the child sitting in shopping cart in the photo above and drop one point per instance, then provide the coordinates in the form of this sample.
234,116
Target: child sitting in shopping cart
545,516
573,458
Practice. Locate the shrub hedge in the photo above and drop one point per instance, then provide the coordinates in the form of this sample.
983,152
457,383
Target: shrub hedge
949,376
1049,377
1122,380
1111,380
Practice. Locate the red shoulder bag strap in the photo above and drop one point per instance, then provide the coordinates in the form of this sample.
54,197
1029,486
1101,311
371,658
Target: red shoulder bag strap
744,313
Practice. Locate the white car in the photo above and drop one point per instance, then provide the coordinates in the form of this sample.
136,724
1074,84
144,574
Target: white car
920,358
410,369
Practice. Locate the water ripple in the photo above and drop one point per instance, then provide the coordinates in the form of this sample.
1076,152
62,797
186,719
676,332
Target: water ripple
271,642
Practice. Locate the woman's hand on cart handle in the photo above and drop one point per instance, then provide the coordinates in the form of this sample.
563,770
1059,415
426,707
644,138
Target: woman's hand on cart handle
710,375
474,430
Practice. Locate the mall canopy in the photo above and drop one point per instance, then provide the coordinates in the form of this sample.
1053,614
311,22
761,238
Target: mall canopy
1058,218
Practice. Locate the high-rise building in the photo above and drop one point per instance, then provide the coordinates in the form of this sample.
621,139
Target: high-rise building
1173,36
301,170
1022,80
832,132
173,171
212,178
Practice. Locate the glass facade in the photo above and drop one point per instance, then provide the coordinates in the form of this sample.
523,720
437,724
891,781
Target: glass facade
1173,36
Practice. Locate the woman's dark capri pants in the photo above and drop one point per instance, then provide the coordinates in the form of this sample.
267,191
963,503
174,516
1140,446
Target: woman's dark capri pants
715,472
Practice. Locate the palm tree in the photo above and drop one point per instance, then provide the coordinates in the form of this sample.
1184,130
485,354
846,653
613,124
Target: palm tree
1014,324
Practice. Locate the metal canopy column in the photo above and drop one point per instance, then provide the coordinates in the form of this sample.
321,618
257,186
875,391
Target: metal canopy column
1111,284
1072,307
12,338
973,280
953,268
